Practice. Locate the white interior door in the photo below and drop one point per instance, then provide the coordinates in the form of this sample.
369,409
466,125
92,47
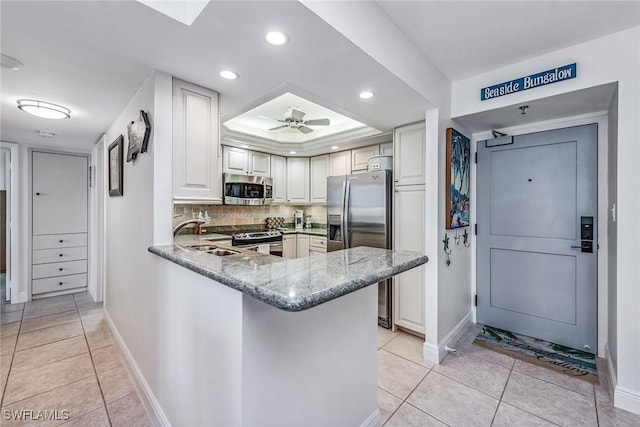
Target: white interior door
537,236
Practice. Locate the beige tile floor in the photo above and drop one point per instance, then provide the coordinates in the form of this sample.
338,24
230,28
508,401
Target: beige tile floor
58,354
479,387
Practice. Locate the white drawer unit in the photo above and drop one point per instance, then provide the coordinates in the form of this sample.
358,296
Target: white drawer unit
318,244
41,271
50,241
43,256
60,283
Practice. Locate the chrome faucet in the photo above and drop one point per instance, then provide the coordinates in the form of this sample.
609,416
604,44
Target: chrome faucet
185,223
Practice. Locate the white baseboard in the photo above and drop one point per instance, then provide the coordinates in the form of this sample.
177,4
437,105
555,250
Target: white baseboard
623,397
372,420
152,403
627,399
435,354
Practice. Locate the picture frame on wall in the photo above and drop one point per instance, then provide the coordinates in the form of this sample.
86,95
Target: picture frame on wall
116,175
458,176
138,134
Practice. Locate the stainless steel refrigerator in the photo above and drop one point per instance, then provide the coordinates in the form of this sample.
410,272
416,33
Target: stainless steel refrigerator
359,214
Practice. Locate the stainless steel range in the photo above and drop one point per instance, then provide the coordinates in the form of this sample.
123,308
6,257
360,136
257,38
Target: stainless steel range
269,242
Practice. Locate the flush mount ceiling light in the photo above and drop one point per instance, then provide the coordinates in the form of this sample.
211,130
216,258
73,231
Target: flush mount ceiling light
228,74
292,152
10,63
335,147
45,134
43,109
276,38
367,94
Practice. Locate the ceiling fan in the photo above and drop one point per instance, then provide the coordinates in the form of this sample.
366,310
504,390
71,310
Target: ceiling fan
293,119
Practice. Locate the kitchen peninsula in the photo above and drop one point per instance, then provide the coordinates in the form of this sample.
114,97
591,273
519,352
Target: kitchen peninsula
296,339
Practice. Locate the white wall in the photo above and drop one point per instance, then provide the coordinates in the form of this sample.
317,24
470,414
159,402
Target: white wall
614,58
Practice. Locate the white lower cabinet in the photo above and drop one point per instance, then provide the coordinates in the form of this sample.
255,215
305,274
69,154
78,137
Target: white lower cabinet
289,246
409,234
317,245
302,245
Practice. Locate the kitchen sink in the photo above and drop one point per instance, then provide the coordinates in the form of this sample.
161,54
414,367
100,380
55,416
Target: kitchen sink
214,250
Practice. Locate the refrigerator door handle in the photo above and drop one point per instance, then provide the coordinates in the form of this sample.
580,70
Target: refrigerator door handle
345,215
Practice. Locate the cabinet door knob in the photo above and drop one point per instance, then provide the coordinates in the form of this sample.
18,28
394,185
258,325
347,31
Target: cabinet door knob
37,194
60,283
61,255
61,240
395,180
61,269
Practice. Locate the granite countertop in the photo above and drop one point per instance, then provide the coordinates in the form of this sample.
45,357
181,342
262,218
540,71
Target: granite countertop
295,284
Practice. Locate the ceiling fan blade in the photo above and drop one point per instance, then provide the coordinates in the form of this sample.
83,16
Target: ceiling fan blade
279,127
305,129
318,122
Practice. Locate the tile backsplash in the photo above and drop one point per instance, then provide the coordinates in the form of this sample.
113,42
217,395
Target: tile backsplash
225,216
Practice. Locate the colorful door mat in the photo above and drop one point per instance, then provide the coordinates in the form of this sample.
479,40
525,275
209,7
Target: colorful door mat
571,362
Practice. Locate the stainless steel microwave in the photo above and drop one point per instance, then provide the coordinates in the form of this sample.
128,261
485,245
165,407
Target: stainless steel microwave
247,190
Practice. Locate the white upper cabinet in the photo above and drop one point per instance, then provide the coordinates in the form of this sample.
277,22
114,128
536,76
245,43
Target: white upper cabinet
279,176
319,172
360,157
235,160
386,149
340,163
245,162
259,164
409,154
298,180
196,143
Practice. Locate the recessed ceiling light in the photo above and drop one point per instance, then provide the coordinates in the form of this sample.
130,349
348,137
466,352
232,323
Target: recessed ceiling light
367,94
43,109
228,74
276,38
335,147
45,134
292,152
10,63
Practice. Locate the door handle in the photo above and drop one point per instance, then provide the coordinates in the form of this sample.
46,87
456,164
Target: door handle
576,247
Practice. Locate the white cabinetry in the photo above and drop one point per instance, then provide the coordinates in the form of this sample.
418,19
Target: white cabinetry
298,180
302,246
340,163
409,154
59,218
317,245
386,149
319,172
196,143
409,234
279,176
360,157
289,246
240,161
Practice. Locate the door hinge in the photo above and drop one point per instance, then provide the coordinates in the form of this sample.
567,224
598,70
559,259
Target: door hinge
476,157
475,229
475,300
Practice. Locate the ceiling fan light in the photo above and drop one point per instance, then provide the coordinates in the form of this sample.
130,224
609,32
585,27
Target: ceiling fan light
366,94
43,109
276,38
229,75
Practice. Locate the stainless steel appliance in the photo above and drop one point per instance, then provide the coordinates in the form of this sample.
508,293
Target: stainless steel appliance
260,241
247,190
359,214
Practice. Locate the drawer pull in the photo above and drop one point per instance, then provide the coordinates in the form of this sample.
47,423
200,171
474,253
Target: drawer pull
60,283
61,269
61,240
61,255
